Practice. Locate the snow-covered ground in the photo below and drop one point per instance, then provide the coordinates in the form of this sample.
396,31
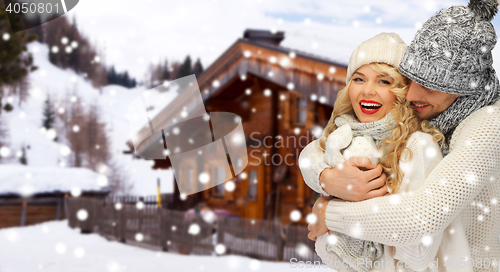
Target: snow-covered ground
54,247
24,122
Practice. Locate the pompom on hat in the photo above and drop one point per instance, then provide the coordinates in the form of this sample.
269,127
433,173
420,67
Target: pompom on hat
386,48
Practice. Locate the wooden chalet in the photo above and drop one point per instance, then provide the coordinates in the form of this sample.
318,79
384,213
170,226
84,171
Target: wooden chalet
281,94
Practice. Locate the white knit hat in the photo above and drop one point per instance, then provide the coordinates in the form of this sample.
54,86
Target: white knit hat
385,48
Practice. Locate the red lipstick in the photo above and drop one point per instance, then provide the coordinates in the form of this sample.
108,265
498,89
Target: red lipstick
370,106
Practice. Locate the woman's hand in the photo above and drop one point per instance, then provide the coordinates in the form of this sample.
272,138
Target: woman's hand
354,180
318,227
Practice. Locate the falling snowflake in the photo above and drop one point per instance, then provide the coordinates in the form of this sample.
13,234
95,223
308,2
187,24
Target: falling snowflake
4,151
356,231
317,131
139,237
118,206
290,86
243,175
55,49
332,239
82,215
230,186
295,215
60,248
6,36
204,177
76,128
194,229
320,76
394,199
76,191
311,218
292,55
267,92
427,240
322,100
247,54
64,151
102,181
431,152
378,20
248,92
139,205
220,249
273,59
302,250
314,97
305,163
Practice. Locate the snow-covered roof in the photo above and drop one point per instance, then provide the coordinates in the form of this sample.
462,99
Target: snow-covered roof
29,180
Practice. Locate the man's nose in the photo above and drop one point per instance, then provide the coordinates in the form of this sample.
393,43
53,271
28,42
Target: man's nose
413,94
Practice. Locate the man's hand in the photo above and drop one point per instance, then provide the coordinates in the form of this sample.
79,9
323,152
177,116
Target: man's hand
348,182
318,227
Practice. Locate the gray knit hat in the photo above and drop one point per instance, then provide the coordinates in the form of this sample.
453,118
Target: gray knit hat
451,53
384,48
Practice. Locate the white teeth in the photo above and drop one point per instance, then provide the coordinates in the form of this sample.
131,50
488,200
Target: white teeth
419,106
370,104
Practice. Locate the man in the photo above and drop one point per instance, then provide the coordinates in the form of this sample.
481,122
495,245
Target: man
455,87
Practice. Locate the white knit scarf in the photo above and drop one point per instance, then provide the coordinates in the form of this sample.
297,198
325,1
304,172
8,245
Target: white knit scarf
378,130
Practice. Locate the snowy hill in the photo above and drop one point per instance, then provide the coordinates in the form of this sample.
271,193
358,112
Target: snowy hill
24,123
54,247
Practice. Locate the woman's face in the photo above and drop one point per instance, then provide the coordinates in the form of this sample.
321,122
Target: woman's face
370,94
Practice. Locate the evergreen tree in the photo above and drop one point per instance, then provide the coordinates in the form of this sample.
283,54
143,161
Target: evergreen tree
48,114
197,68
185,68
15,60
166,71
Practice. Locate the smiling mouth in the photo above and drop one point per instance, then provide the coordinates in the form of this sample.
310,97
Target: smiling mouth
419,107
369,107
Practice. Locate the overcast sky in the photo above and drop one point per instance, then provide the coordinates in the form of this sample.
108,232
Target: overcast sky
133,34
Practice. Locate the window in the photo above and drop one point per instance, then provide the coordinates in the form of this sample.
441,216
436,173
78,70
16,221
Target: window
252,184
219,175
187,179
301,111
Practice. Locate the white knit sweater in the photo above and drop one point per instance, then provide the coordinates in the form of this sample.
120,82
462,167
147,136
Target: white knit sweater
464,187
414,175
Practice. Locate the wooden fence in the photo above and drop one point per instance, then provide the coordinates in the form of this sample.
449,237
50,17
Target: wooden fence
172,231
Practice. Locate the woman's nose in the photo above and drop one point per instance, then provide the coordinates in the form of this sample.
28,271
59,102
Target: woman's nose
369,89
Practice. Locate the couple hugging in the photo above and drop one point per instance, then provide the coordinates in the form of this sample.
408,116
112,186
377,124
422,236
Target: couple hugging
408,166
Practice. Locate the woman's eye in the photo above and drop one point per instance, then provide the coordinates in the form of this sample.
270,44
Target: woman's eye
385,82
357,79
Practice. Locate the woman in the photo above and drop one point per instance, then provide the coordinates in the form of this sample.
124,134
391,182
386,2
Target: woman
372,118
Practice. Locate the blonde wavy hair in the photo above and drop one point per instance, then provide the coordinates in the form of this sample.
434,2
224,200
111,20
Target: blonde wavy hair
407,124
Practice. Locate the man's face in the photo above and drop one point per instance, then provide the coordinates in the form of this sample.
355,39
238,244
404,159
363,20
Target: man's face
428,103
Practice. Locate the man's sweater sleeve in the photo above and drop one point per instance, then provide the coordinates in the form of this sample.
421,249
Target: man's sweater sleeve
405,219
311,164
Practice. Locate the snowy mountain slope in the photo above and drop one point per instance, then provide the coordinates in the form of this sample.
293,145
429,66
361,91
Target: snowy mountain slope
24,122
